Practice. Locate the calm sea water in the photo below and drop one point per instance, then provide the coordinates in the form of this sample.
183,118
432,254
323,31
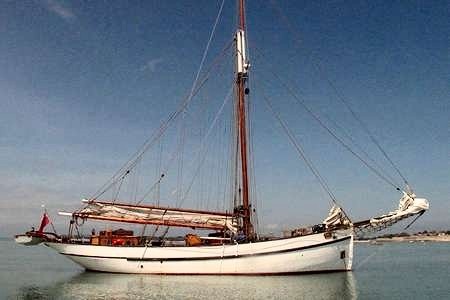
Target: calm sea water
388,271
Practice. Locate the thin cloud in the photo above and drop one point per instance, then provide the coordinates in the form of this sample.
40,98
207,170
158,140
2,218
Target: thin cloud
151,65
58,9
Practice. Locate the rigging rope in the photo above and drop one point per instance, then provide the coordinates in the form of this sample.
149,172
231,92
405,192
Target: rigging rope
203,143
301,151
181,143
196,86
365,128
331,132
155,185
135,158
183,127
159,170
359,148
205,52
165,170
255,204
342,99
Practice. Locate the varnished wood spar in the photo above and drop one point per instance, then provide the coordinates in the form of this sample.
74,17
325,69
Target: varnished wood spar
164,208
240,84
152,222
241,15
243,150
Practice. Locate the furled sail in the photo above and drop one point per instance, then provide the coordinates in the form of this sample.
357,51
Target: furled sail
156,215
336,217
408,206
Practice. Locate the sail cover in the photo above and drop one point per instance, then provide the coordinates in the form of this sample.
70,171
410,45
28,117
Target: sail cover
140,214
408,206
336,217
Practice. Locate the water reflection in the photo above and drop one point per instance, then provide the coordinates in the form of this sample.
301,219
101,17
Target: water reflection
90,285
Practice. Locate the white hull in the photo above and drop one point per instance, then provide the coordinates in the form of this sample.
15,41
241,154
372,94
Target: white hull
311,253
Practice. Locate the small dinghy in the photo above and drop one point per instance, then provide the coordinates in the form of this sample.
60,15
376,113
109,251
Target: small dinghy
30,238
33,237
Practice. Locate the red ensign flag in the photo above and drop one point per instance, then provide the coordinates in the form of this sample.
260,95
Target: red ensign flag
44,222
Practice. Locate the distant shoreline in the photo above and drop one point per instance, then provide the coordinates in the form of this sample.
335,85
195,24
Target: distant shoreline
403,239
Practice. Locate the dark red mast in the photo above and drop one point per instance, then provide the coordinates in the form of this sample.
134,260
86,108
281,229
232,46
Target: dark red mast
241,79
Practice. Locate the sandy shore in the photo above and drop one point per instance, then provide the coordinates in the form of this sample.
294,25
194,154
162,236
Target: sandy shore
415,238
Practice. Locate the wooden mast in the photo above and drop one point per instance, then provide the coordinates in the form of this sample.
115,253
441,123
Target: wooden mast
241,78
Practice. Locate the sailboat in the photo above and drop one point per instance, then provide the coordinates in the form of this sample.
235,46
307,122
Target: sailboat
232,246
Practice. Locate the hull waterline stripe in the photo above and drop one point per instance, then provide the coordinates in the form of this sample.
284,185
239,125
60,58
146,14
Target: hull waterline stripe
233,274
213,257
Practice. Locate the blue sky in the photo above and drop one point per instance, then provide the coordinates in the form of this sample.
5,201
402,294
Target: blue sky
83,84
